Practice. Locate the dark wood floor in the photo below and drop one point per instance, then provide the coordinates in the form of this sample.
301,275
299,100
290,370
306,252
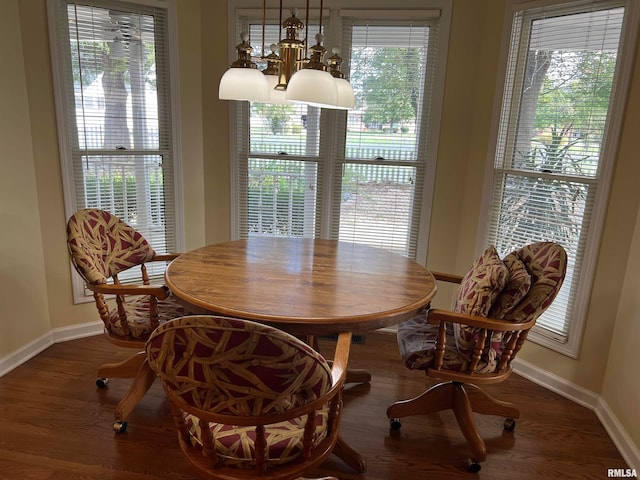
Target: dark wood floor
56,425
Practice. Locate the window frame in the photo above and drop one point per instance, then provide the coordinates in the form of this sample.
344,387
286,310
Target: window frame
333,16
56,8
569,346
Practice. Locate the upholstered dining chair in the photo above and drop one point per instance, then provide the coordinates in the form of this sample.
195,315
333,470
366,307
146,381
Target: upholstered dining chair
497,303
249,400
102,247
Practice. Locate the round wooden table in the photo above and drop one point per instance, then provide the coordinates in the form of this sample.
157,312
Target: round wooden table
305,287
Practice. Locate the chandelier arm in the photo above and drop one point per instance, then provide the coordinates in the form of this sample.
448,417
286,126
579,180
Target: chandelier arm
264,21
306,31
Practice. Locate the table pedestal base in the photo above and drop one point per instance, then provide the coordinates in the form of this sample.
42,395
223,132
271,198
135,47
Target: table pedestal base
357,375
354,375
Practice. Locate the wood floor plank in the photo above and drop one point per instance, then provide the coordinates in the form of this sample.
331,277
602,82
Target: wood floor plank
56,424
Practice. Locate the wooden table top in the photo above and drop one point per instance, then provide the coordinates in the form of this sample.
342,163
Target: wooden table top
305,286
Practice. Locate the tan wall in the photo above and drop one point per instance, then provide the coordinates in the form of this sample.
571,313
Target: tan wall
621,388
468,102
32,202
215,62
35,42
23,295
191,124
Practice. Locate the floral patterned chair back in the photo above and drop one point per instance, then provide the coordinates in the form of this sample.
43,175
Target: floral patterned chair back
249,400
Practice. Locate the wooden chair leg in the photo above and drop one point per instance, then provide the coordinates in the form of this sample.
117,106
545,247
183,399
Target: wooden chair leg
349,456
126,369
139,387
464,400
464,416
482,402
436,398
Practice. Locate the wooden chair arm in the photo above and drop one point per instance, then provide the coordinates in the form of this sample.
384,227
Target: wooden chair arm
447,277
165,257
161,292
436,316
340,359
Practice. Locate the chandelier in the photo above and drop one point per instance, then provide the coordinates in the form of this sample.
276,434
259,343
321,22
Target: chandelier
293,73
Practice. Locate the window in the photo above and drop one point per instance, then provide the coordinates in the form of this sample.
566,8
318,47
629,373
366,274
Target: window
381,168
359,176
111,75
555,144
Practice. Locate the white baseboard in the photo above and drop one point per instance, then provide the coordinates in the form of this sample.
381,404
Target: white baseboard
618,434
556,384
77,331
621,439
17,358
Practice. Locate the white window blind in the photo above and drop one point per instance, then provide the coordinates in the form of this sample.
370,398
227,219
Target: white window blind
550,156
111,67
381,161
356,176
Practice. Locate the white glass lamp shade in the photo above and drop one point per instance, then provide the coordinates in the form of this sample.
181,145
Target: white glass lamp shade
276,96
313,87
346,98
243,84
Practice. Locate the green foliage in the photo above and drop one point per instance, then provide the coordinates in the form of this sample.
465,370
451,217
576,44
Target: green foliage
554,154
576,92
90,56
542,204
391,84
570,113
116,191
277,115
276,197
351,177
150,65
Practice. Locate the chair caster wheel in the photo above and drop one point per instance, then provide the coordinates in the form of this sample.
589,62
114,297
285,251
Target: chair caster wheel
119,426
509,424
473,466
395,424
102,382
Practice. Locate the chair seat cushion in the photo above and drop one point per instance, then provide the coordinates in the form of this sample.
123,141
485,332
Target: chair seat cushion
417,342
235,445
137,309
